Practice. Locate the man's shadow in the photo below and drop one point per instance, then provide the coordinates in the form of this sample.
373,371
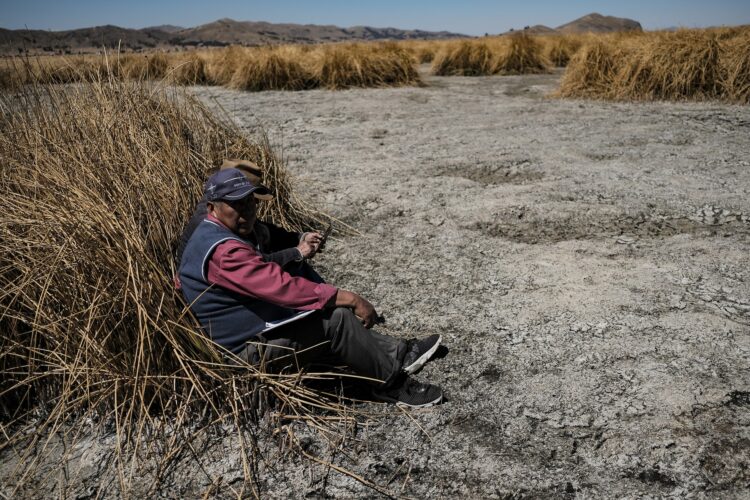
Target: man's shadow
348,386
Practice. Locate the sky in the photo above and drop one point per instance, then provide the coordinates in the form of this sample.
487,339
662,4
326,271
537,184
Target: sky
468,17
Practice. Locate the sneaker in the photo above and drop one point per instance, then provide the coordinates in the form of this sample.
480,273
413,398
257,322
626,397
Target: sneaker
410,394
418,352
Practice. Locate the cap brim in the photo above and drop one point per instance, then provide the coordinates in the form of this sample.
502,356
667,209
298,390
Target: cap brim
238,194
260,193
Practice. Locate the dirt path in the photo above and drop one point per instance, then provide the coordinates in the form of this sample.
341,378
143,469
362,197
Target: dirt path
586,263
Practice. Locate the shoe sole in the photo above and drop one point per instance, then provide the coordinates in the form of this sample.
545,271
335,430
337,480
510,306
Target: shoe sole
423,405
420,361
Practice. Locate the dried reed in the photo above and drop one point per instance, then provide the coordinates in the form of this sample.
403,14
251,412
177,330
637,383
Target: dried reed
735,67
521,55
341,66
464,58
97,180
686,64
222,64
590,73
143,66
271,69
189,69
290,67
559,49
422,51
679,65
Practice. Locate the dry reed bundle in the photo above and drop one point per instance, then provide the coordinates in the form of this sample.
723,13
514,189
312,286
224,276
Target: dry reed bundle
521,55
735,67
288,67
143,66
464,58
63,69
222,63
559,49
671,66
342,66
271,69
188,69
422,51
12,74
687,64
590,73
97,181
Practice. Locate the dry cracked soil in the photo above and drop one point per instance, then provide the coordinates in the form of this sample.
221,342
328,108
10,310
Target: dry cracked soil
585,262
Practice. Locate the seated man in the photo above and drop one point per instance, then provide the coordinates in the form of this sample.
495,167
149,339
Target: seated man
275,244
242,299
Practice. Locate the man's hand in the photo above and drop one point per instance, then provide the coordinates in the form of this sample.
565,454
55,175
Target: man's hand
310,244
362,308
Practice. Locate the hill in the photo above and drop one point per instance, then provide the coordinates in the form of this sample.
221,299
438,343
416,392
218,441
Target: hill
217,33
591,23
14,41
538,29
597,23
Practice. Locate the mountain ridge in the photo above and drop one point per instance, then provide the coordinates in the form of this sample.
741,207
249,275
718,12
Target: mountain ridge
226,31
590,23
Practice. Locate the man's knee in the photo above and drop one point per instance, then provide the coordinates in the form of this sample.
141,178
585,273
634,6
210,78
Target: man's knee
339,314
340,322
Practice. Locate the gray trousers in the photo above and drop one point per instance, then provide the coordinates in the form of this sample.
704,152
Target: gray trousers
331,336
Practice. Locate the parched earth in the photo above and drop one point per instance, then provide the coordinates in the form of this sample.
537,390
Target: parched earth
586,263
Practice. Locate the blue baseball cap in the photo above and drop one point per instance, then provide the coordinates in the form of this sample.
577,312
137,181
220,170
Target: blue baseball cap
232,184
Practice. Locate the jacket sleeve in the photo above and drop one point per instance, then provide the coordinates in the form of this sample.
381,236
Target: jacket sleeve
281,238
238,267
283,257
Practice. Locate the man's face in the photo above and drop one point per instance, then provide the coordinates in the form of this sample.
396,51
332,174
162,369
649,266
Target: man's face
238,215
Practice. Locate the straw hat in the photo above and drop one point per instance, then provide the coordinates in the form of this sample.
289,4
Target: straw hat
251,170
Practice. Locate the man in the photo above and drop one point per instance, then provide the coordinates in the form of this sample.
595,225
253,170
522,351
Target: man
286,248
242,300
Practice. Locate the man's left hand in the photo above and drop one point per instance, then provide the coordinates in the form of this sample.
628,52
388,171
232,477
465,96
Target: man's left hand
310,244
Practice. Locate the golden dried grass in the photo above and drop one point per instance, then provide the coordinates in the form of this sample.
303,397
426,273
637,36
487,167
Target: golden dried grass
464,58
222,63
289,67
188,69
590,73
152,66
423,51
735,67
559,49
271,69
507,55
342,66
521,54
671,66
681,65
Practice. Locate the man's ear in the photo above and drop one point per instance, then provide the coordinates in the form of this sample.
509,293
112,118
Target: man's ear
210,206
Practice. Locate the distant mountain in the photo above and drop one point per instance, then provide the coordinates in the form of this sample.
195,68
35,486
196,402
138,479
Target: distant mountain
537,29
597,23
592,23
217,33
229,31
111,37
167,28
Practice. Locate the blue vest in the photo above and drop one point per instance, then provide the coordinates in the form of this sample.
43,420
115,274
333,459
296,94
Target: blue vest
230,319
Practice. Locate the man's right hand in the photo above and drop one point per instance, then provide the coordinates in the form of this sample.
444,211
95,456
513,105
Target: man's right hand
362,308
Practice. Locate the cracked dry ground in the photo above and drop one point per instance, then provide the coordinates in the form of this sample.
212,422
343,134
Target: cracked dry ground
585,262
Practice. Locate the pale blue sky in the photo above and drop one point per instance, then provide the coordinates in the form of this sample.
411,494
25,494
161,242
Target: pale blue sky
470,17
